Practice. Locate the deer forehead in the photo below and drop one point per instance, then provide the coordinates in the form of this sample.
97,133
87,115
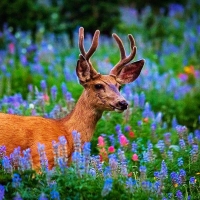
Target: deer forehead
106,79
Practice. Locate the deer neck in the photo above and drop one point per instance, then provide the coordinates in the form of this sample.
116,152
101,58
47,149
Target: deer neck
83,118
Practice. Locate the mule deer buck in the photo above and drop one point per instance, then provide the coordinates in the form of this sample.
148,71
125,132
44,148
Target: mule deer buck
101,93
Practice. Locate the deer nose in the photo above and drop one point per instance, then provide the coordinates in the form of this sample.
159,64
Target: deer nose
122,105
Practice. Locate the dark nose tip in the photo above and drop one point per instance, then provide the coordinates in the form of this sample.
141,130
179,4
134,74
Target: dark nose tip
122,104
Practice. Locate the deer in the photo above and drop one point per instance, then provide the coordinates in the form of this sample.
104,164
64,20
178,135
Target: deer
101,93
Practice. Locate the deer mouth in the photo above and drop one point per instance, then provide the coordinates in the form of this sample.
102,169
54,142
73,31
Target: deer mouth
117,109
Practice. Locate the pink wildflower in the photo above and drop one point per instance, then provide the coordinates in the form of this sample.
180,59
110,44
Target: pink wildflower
123,140
111,149
101,142
11,48
135,157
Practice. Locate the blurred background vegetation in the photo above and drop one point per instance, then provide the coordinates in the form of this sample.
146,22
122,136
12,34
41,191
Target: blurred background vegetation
65,16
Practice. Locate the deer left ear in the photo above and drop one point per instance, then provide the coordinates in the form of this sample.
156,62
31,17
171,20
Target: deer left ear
130,72
83,70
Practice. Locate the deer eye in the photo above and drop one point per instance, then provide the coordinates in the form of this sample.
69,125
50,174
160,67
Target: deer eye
98,86
120,87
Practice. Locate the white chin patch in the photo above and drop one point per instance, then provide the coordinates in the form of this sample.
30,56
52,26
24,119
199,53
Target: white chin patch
117,110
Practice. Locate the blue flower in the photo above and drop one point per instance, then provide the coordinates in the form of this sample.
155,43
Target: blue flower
43,197
163,170
43,85
7,164
179,195
55,195
54,92
182,143
129,184
2,191
107,187
192,180
180,161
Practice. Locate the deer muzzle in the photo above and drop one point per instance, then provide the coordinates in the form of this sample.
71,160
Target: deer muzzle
121,106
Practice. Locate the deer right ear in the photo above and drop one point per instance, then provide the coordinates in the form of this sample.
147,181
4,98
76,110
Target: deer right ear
83,69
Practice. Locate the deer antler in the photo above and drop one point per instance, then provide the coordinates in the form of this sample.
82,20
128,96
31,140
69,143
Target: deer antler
124,59
87,55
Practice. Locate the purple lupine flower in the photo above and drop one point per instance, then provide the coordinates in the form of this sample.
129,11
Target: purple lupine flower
147,185
25,162
134,147
53,92
63,143
139,123
142,99
192,180
127,128
55,195
43,85
158,186
163,171
2,151
15,157
136,100
30,88
194,152
147,111
161,146
43,157
43,197
182,143
175,178
113,164
123,163
167,139
61,164
118,129
157,175
77,141
158,118
153,127
112,139
146,157
129,184
179,195
16,180
86,154
190,139
170,155
182,175
181,130
197,134
6,163
55,151
180,161
142,170
107,187
2,191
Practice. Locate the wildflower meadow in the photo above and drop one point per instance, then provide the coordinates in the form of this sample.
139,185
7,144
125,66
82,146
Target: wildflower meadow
150,151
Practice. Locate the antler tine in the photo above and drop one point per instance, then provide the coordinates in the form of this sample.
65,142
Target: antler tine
93,46
81,39
120,44
124,59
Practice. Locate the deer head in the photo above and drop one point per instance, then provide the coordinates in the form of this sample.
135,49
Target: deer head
103,90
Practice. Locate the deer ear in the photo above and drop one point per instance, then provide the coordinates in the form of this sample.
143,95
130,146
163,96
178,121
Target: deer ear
130,72
83,70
